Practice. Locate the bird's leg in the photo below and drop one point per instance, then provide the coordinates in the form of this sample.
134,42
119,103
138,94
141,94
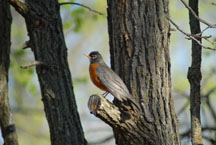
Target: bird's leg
105,94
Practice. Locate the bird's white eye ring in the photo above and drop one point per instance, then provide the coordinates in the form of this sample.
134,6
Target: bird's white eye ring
94,57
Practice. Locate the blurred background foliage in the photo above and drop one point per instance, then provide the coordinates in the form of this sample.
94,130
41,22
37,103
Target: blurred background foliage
86,31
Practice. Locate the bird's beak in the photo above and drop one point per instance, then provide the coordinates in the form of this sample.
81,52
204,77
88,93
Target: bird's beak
87,55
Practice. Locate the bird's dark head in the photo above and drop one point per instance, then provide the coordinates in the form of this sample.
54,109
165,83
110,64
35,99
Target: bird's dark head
94,57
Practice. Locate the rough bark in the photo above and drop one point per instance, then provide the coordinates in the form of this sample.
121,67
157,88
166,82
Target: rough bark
47,43
6,119
129,123
139,47
194,77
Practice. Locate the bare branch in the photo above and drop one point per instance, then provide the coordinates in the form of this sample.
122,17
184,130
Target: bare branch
213,43
199,36
35,63
26,44
189,35
203,31
194,14
82,5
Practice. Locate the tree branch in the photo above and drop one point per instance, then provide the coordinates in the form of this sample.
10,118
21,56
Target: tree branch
35,63
190,36
197,17
122,119
82,5
106,111
27,45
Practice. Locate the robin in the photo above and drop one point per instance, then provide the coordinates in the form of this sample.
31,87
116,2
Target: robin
106,79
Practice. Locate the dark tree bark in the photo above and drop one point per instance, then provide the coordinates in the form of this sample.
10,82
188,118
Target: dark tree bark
6,120
139,47
47,43
195,76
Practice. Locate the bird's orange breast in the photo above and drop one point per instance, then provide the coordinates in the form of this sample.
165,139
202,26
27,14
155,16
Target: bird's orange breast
94,76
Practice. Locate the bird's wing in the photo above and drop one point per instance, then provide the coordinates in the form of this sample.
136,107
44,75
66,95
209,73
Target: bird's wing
113,83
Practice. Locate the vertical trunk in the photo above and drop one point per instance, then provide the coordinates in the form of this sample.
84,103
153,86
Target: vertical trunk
47,43
194,77
6,119
139,47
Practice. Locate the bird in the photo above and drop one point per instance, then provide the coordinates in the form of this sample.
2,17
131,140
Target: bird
106,79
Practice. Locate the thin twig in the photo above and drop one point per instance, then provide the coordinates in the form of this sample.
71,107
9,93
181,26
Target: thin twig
197,17
189,35
26,44
199,36
35,63
73,3
203,30
213,43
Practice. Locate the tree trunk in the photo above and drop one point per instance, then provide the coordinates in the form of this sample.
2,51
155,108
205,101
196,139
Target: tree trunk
47,43
6,120
195,76
139,47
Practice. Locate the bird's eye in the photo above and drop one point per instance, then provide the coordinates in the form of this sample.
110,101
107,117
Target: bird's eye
94,56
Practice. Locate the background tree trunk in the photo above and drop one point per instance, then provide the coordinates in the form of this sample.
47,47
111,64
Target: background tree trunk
195,76
6,120
139,47
47,42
